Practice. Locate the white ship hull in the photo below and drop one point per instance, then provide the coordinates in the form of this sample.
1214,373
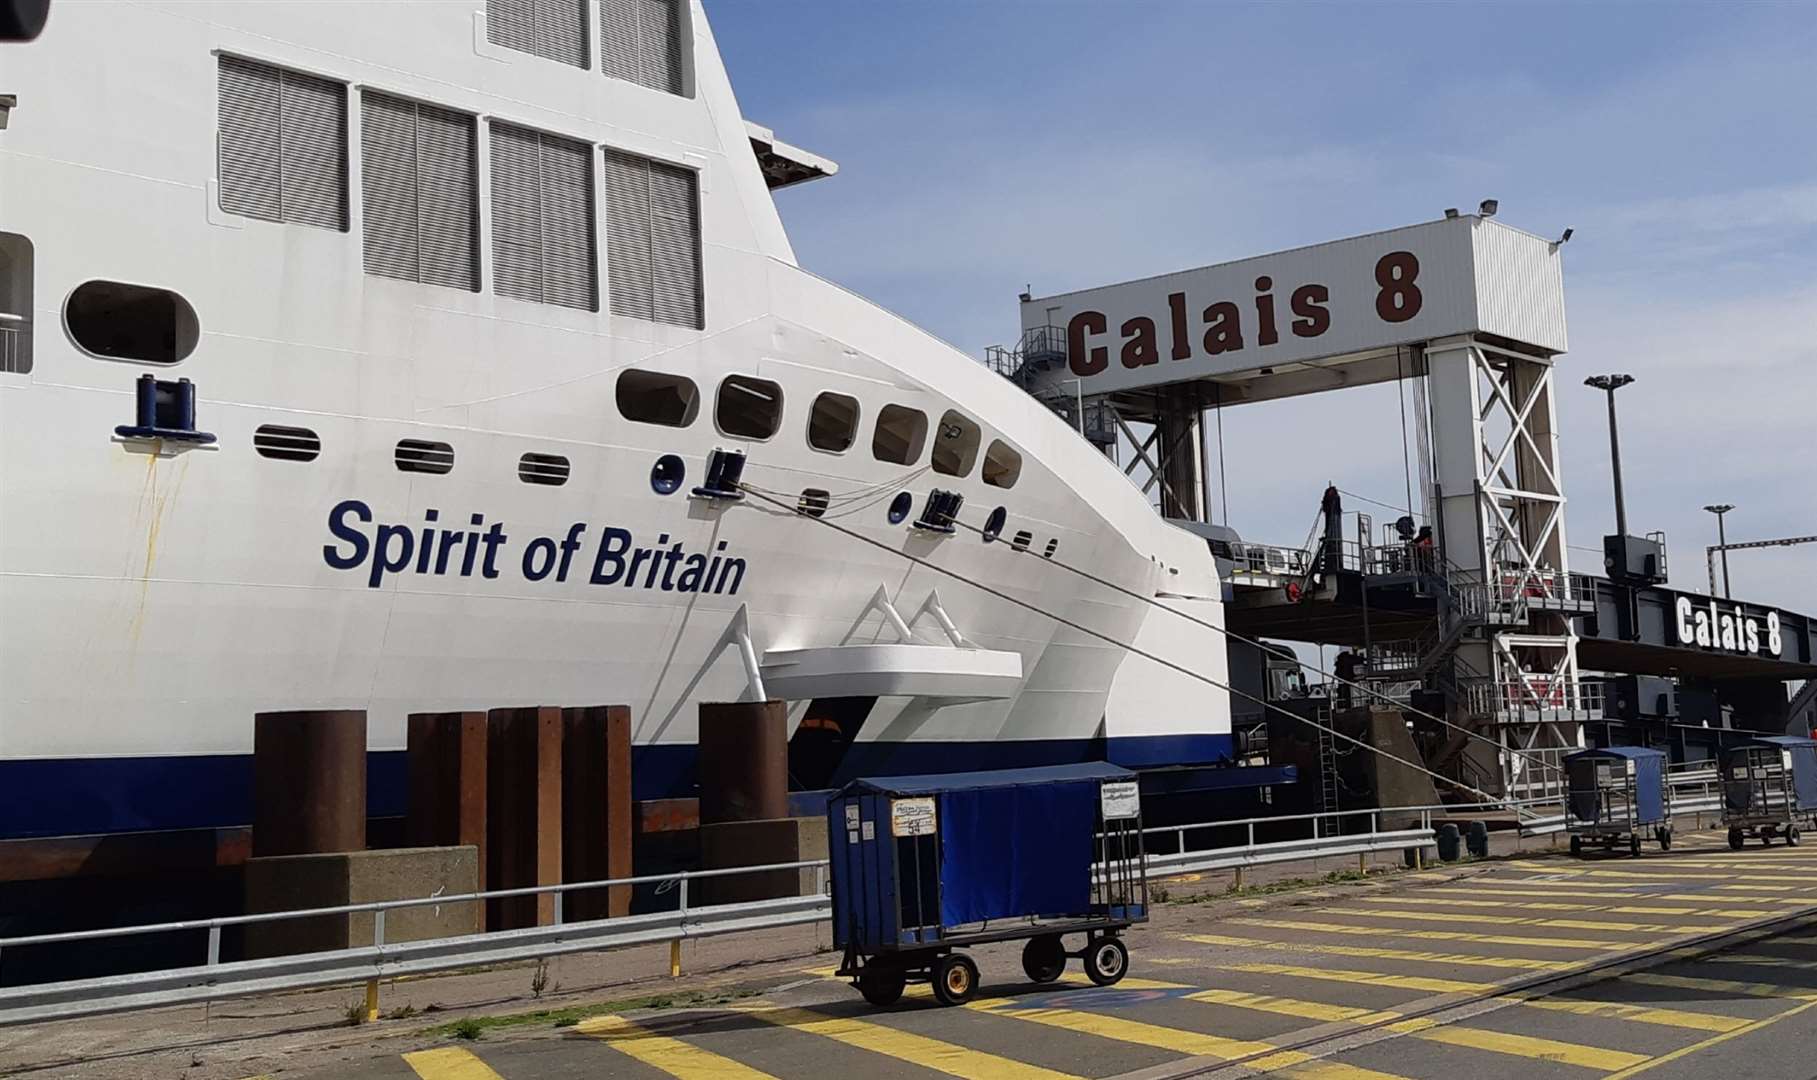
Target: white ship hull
153,597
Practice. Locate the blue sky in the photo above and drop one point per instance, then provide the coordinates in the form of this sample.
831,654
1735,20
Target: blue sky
985,146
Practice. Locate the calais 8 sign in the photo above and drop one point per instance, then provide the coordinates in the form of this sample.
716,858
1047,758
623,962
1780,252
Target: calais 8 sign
1455,276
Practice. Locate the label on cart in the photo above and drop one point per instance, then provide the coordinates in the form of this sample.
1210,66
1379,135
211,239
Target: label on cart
870,830
1120,799
912,817
851,815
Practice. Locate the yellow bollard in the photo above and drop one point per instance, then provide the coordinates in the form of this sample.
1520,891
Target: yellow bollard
372,1000
1237,886
675,959
1362,863
1419,858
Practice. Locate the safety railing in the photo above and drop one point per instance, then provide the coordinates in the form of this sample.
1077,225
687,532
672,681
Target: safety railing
13,341
1220,845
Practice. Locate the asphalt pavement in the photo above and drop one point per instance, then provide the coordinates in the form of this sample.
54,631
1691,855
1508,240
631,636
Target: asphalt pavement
1694,963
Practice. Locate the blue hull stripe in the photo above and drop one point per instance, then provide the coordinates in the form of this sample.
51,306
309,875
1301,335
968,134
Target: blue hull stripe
86,796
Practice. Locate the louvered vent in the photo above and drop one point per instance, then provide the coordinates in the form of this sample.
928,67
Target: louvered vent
552,29
419,182
1022,539
424,456
640,42
542,218
287,443
547,469
1052,546
653,240
283,145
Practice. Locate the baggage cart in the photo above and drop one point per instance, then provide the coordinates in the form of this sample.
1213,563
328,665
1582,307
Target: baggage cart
924,867
1769,788
1616,795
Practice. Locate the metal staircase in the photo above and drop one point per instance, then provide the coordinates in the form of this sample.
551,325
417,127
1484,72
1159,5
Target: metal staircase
1033,365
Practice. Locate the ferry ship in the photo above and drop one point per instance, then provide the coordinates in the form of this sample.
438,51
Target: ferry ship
410,357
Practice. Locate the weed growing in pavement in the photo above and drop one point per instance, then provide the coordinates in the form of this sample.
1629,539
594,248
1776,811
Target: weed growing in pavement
1230,892
402,1012
470,1029
355,1014
539,979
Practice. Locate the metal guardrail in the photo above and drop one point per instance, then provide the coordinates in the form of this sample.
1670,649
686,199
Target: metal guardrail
1693,791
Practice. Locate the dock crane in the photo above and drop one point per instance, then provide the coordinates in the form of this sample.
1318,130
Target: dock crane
1709,553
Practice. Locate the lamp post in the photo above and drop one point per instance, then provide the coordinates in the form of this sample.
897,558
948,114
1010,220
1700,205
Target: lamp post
1609,384
1722,543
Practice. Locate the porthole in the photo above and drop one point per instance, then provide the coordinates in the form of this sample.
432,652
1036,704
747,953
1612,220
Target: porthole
813,503
833,423
1052,546
1022,540
748,408
549,470
131,322
286,443
956,444
899,435
993,525
1002,465
667,474
424,456
655,397
900,507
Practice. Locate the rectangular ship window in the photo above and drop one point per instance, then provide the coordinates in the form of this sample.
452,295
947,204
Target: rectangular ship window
15,304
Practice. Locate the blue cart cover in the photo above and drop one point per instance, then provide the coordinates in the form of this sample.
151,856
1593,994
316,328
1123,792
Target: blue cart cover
1803,755
1013,842
1649,781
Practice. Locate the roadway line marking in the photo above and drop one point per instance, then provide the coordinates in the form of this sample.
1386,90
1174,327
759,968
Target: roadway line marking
1524,905
1515,920
1686,1051
1377,952
1437,935
1499,891
449,1063
1280,1006
945,1057
1671,875
1188,1043
1789,901
1641,1014
1362,978
1070,978
681,1060
1590,1057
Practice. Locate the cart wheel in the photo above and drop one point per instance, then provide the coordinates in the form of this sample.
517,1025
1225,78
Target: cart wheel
1665,838
1736,839
955,979
1577,845
881,987
1044,958
1791,835
1106,961
1634,844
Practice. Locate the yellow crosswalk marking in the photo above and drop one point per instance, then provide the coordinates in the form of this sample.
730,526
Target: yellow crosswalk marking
1439,901
681,1060
949,1058
1641,1014
1377,952
1489,890
449,1063
1434,935
1670,874
1783,901
1725,986
1528,1046
1363,978
1513,920
1713,913
1280,1006
1573,880
1190,1043
1180,1041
